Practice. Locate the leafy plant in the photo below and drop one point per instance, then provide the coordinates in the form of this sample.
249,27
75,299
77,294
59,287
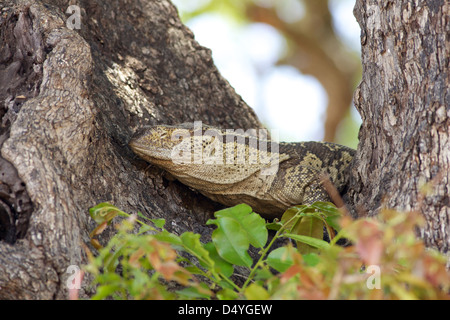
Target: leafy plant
386,261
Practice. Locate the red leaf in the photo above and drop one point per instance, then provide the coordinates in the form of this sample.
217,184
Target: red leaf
369,244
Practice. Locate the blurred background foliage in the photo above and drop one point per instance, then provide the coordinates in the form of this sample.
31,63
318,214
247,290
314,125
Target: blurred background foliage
295,62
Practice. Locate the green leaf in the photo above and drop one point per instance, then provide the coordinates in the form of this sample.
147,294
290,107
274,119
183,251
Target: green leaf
139,282
144,228
250,222
111,258
105,291
191,243
109,278
263,273
274,225
222,266
227,294
168,237
331,212
142,216
225,285
256,292
311,259
311,227
239,210
310,241
159,223
280,259
105,212
255,226
231,241
327,208
194,269
194,293
288,220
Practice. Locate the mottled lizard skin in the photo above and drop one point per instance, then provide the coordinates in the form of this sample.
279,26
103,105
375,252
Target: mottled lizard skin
233,167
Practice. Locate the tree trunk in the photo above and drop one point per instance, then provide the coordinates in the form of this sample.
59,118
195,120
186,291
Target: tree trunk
73,89
403,158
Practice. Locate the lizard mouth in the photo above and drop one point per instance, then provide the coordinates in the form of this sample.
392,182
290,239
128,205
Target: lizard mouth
137,146
140,150
148,153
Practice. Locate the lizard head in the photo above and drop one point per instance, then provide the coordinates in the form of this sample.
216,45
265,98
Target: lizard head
189,145
160,142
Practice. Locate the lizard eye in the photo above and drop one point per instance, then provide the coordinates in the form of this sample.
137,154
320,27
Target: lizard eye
177,138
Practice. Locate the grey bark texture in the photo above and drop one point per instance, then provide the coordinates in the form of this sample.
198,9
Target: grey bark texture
70,101
403,157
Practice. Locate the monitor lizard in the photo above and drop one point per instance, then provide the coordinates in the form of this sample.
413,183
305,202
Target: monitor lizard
233,167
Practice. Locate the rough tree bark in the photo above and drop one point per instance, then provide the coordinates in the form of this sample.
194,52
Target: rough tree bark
70,101
404,103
